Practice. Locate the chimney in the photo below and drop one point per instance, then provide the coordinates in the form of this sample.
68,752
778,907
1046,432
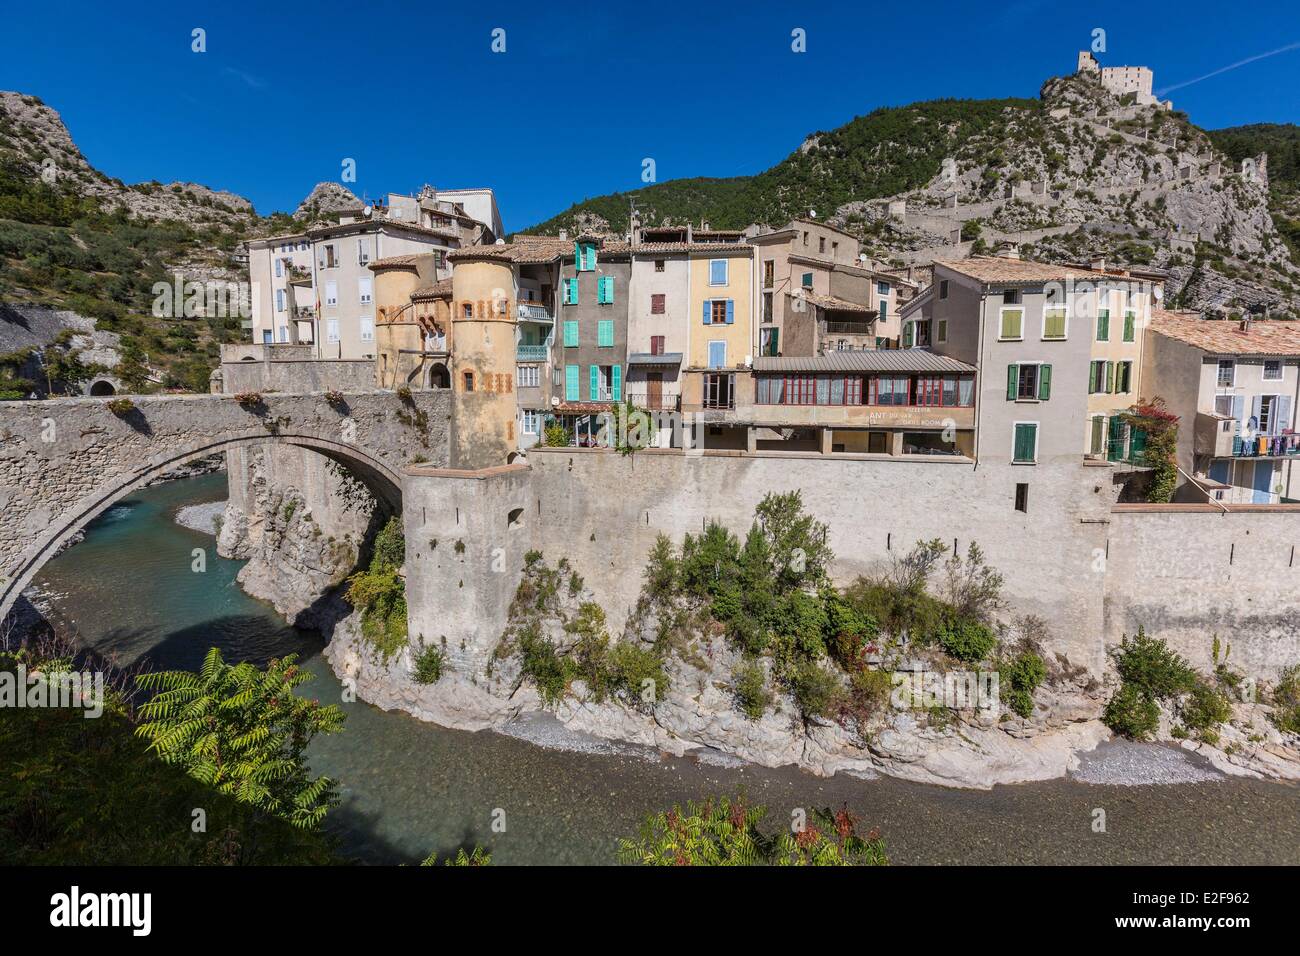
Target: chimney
1098,264
1245,323
564,234
1008,250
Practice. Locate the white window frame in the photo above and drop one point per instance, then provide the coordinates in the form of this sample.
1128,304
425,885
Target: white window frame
365,290
1038,380
1263,371
531,380
1038,437
1043,333
279,267
331,292
726,272
367,324
363,250
1218,373
279,300
331,330
1012,308
527,416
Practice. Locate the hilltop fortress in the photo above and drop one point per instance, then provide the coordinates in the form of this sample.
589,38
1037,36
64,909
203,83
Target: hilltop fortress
1123,80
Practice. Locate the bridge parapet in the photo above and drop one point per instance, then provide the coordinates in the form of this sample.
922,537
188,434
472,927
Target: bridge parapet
62,462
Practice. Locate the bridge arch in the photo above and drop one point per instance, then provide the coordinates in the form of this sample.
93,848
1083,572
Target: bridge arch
379,477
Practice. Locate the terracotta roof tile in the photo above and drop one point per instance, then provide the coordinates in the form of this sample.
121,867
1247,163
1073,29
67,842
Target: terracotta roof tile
439,290
995,270
1224,337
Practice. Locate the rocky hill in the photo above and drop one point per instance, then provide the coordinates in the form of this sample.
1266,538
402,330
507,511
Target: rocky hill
325,198
79,242
1077,174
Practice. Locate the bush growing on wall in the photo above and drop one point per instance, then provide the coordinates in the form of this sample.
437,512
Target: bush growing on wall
379,592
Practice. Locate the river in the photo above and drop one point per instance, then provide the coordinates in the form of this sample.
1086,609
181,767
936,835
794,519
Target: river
409,787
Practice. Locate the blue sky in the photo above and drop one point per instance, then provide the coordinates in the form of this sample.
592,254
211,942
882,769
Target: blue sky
584,92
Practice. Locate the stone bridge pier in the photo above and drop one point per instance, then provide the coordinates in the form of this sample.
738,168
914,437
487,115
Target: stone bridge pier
63,462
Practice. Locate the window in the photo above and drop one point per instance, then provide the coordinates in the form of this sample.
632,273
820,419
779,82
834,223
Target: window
467,310
529,426
279,265
767,306
284,333
268,337
717,312
1097,377
468,379
1097,438
769,273
1123,377
821,243
719,391
570,383
331,292
570,334
942,331
717,354
883,311
329,258
1054,322
807,280
805,237
570,287
888,390
1025,444
1227,373
527,376
605,290
1130,318
1022,496
1029,382
366,290
1103,325
1226,405
656,345
367,329
1272,371
657,303
605,334
659,265
332,330
1012,322
717,272
882,288
279,300
943,288
1011,297
835,248
585,258
769,342
363,251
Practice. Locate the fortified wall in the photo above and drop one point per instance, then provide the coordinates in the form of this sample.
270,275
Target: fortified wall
1093,570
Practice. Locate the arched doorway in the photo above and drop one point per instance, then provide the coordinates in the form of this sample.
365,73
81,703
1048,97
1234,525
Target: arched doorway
103,387
439,377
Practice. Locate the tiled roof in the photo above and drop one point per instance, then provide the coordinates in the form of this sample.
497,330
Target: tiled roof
834,302
1224,337
652,248
995,270
582,408
439,290
864,360
393,262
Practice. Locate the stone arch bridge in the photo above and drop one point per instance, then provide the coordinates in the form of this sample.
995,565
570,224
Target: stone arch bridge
63,462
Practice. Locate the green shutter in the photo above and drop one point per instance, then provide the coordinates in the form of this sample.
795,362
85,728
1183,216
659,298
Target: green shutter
1013,380
570,333
570,383
1128,326
605,333
1012,319
593,384
616,383
1137,445
1110,377
1044,382
1098,443
605,290
571,291
907,335
1103,325
1024,444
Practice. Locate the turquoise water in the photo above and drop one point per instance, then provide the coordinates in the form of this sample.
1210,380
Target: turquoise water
410,787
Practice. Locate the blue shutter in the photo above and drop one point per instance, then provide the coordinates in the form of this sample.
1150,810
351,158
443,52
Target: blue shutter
708,307
594,384
570,334
731,313
616,383
605,333
570,383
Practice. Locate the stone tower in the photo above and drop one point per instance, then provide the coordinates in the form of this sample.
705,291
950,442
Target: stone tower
483,403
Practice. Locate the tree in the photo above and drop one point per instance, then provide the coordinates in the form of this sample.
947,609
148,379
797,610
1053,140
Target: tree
243,731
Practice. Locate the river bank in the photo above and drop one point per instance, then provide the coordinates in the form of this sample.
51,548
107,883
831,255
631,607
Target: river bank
410,786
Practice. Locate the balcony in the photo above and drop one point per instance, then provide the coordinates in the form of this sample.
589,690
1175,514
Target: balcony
304,312
300,275
664,399
533,312
531,353
1214,435
850,328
